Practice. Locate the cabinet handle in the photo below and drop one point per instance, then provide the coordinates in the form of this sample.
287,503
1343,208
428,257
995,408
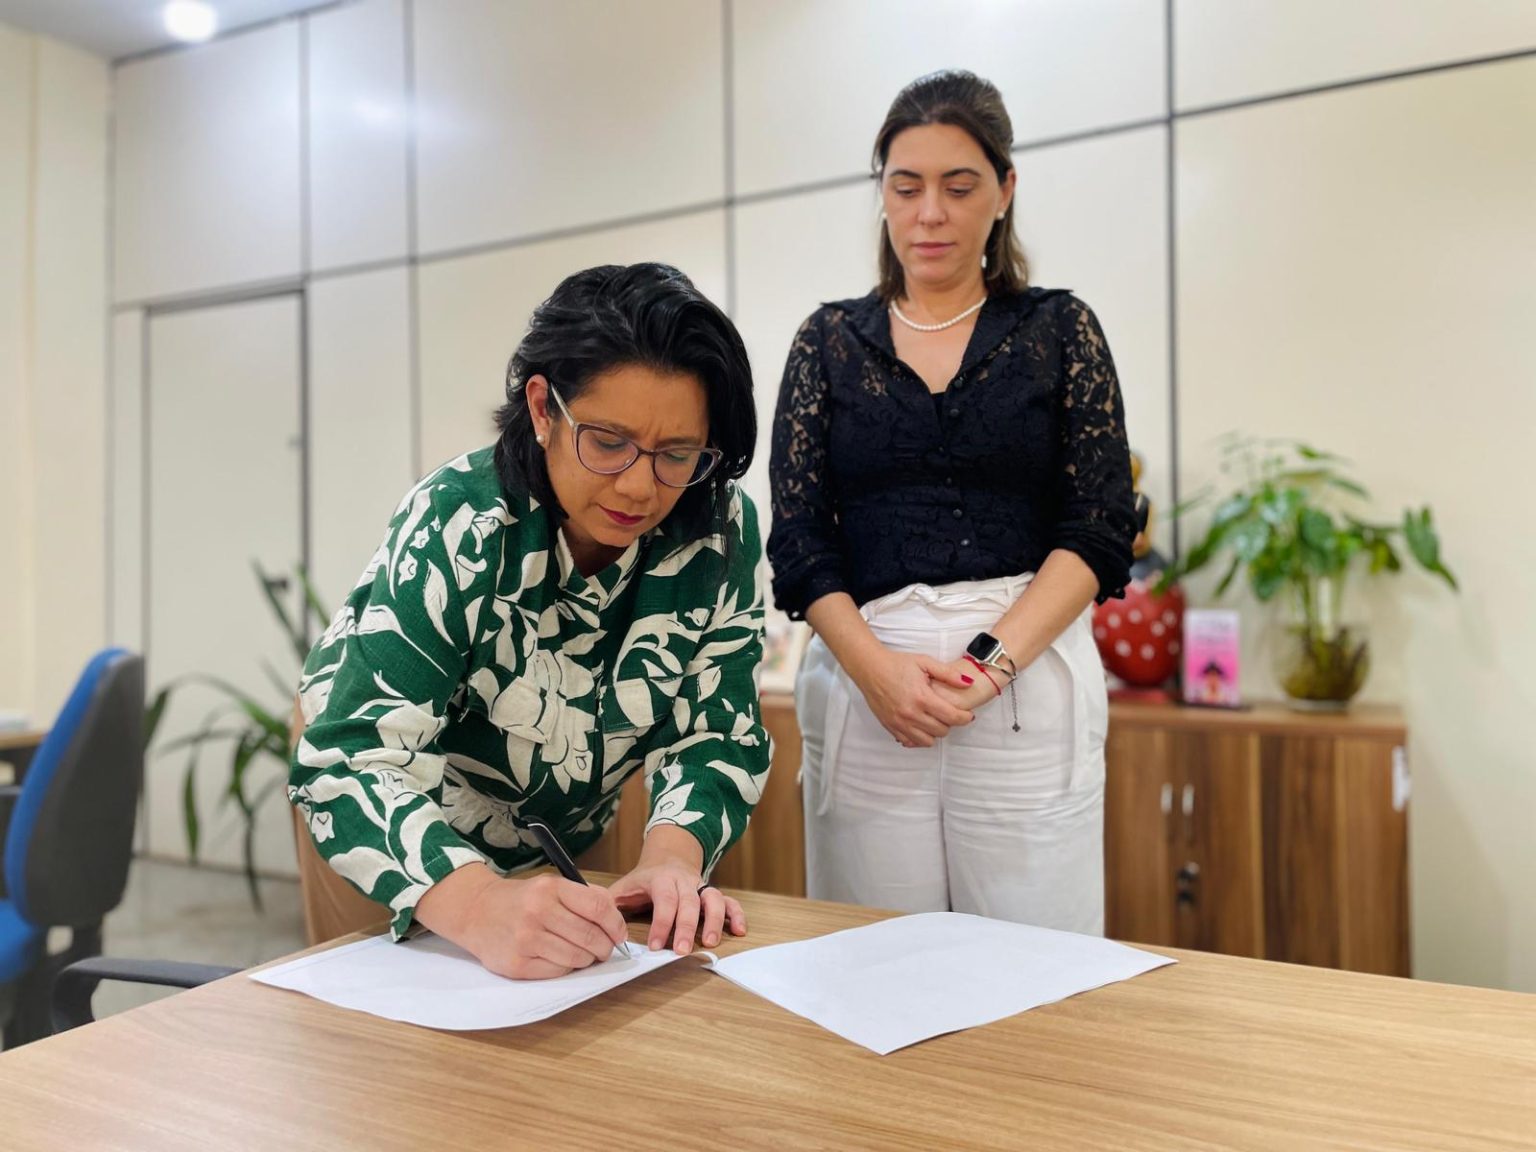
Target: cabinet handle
1184,883
1187,807
1167,800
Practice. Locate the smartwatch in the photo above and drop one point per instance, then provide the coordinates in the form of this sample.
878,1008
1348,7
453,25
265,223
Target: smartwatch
988,651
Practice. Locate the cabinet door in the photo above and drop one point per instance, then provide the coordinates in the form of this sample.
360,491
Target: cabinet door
1373,824
1138,862
1335,855
1218,864
1301,862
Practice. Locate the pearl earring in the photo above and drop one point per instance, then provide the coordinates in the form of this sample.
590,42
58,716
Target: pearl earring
1003,213
983,261
540,439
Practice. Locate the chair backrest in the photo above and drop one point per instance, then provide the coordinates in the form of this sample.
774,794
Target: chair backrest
71,833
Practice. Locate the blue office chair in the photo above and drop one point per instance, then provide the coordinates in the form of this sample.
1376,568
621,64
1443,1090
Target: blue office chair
68,829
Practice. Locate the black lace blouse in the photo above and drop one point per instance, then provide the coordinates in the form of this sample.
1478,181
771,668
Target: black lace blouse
877,485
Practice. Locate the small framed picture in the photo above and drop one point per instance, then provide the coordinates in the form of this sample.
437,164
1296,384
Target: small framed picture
1211,646
784,643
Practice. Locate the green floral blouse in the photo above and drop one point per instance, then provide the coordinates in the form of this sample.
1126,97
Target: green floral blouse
475,676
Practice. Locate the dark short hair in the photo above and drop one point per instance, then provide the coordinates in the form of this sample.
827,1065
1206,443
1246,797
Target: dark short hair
966,101
612,317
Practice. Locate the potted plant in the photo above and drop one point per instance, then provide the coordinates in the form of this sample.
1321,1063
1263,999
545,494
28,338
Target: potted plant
251,729
1291,527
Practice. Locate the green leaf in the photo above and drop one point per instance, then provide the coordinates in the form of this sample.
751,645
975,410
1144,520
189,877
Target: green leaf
1266,581
1282,507
1307,452
245,750
248,848
1383,556
1424,544
271,723
1345,484
284,690
189,816
1226,581
1230,511
153,714
293,630
312,600
1316,529
202,738
1250,538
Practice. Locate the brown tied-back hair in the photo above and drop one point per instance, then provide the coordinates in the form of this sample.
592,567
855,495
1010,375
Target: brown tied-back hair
968,102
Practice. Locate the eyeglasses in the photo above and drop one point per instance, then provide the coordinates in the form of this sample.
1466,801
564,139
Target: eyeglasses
606,452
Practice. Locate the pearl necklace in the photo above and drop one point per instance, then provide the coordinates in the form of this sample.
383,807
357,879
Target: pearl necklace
950,323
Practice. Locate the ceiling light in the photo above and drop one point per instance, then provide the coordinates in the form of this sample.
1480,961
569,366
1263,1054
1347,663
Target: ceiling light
190,20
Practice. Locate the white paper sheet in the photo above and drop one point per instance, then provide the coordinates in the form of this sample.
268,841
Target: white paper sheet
890,984
435,984
884,985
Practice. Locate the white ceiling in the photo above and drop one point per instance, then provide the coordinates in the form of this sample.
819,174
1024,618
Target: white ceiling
116,28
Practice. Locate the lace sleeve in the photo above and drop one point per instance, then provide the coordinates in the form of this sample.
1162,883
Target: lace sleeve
802,546
1098,518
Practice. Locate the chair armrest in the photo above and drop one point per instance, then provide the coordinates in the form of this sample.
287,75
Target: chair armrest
74,985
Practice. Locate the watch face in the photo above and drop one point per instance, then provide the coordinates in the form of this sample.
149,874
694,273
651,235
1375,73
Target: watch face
983,648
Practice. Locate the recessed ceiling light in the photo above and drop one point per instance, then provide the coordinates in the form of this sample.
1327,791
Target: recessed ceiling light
191,21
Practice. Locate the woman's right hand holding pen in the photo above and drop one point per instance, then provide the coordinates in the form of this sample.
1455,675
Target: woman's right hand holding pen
529,929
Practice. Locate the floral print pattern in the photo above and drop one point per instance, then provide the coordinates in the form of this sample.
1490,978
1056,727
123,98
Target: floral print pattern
475,677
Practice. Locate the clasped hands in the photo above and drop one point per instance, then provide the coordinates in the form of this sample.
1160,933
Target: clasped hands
918,698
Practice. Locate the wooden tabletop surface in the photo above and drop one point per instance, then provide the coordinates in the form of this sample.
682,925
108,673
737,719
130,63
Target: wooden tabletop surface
1214,1052
13,738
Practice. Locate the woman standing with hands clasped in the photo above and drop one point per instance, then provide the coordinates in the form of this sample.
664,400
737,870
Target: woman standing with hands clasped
951,492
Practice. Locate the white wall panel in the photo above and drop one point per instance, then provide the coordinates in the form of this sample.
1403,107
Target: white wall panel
125,504
793,254
537,116
125,487
358,119
814,78
1355,270
475,309
359,412
224,492
68,366
1234,49
207,166
16,516
1093,218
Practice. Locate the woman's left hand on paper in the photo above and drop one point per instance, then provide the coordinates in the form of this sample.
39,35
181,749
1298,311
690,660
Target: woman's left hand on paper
666,879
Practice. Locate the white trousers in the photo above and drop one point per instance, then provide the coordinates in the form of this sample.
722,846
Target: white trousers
991,821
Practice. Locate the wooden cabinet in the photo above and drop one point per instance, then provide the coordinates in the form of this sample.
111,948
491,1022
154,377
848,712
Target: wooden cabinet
1258,833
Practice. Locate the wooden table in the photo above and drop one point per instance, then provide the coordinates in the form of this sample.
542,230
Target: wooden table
20,739
17,747
1214,1052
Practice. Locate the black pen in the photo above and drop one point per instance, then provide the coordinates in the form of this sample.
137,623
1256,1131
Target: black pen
562,861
